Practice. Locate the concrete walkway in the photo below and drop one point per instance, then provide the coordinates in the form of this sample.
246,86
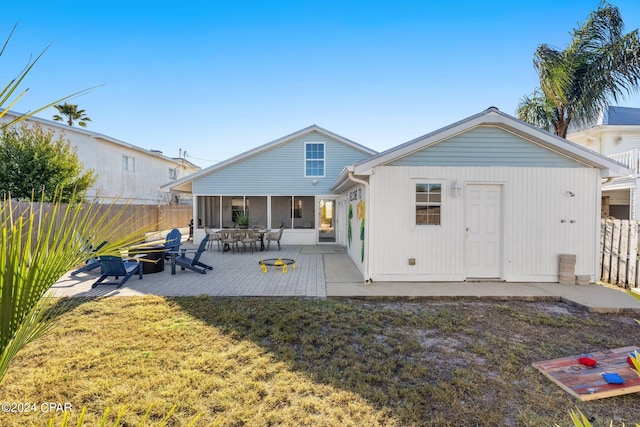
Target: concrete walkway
328,272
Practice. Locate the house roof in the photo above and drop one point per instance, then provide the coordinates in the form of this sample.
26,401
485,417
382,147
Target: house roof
621,116
96,135
185,184
490,117
609,116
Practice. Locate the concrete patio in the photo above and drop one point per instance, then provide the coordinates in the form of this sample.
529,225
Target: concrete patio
328,272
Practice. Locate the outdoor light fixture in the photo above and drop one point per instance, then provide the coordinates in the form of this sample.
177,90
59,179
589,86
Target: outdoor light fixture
455,188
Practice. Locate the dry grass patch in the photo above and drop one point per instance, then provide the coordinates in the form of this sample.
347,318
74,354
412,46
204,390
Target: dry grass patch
243,361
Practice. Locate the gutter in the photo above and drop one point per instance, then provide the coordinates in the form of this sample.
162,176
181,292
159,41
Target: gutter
367,275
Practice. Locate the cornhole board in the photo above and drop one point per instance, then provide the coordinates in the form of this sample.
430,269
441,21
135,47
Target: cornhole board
586,382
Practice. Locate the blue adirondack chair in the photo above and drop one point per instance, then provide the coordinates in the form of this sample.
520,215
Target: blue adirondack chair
115,266
172,243
91,263
191,263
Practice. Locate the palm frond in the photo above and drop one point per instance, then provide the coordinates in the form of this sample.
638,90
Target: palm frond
38,245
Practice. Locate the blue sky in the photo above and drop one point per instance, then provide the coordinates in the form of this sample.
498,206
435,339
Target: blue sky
216,78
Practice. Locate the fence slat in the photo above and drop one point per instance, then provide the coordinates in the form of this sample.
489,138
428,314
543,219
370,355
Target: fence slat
615,252
623,253
633,254
606,259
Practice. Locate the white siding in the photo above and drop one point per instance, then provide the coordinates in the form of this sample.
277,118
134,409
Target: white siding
535,201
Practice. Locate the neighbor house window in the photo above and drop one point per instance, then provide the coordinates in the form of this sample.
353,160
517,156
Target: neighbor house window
173,173
128,164
314,159
428,204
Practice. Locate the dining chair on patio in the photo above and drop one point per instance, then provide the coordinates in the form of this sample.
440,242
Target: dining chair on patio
115,266
214,236
194,263
248,238
274,236
230,239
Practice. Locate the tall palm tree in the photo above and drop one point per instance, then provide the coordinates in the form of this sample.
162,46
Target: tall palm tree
600,65
71,114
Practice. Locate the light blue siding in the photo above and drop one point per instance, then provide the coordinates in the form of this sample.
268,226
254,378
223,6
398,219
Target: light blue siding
486,146
280,170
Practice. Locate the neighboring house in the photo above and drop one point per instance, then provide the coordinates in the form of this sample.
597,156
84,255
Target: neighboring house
125,171
487,198
284,183
616,134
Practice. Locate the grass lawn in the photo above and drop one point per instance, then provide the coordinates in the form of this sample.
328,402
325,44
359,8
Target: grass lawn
256,362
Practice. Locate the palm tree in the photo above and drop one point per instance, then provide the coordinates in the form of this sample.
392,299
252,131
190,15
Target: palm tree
600,65
71,114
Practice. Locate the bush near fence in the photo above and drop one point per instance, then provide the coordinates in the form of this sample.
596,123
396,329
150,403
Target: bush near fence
140,217
619,249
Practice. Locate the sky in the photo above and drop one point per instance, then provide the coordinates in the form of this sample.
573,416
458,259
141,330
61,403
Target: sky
217,78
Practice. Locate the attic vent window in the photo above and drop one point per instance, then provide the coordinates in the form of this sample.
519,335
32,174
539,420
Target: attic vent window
128,164
314,159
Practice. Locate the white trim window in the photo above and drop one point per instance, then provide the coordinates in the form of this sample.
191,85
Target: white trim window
173,174
128,164
314,159
428,203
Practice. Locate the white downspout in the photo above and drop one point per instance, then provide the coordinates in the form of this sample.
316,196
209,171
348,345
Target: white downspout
367,275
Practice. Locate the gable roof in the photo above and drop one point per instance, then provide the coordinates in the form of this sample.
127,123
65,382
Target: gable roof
490,117
184,184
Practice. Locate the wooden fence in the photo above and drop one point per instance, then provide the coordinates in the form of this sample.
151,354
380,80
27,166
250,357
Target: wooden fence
141,217
619,250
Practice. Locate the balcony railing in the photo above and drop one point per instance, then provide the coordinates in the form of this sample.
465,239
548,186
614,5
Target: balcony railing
628,158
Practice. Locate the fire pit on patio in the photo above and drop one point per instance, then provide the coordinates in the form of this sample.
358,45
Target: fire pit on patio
155,254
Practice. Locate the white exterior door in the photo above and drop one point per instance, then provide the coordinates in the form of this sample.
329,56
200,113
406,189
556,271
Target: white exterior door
483,231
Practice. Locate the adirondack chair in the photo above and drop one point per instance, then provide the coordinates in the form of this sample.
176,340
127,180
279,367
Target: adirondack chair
194,263
91,263
172,243
115,266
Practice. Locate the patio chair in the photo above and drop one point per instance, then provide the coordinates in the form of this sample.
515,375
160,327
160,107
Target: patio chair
274,236
214,236
249,237
230,239
115,266
191,263
172,243
91,263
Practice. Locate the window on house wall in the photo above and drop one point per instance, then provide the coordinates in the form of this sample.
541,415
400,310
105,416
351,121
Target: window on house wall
314,158
173,173
128,164
428,203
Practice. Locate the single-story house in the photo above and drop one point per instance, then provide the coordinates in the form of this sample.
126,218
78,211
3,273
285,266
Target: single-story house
487,198
284,183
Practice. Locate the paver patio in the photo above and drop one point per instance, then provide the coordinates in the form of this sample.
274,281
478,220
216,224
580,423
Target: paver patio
233,274
326,271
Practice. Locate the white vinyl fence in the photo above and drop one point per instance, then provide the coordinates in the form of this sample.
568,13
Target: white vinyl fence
619,249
